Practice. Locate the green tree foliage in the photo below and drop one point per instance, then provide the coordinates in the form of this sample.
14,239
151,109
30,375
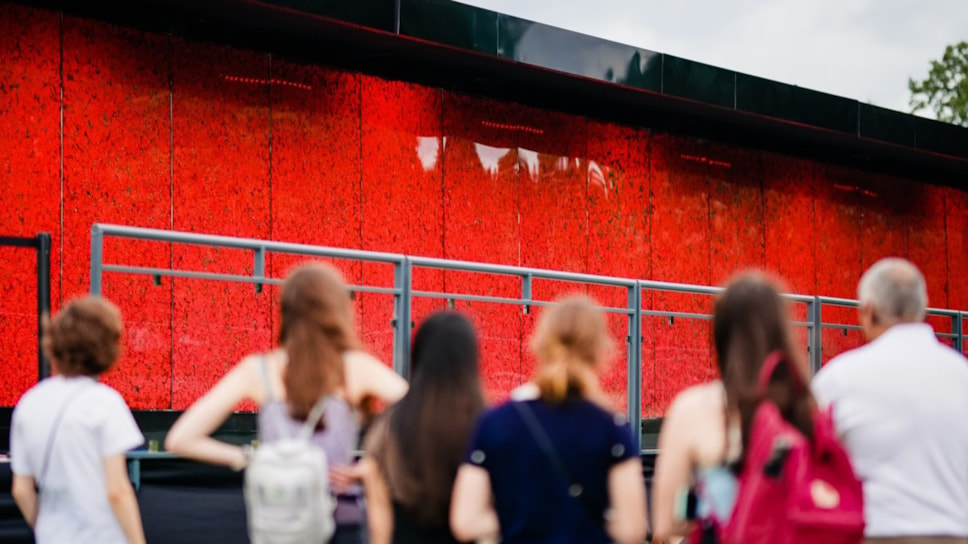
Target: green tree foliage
945,90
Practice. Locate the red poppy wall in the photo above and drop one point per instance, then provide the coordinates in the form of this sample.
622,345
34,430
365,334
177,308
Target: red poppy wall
162,132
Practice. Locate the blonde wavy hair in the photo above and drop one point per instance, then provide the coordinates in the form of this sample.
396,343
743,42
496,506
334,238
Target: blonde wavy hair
571,338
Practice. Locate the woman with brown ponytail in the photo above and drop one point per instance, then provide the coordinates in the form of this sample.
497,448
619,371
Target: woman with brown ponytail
318,358
707,427
553,466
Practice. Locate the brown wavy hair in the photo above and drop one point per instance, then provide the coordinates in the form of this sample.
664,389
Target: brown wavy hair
571,336
751,321
316,330
84,338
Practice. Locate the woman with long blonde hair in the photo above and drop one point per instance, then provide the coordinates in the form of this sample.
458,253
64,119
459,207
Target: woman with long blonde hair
552,465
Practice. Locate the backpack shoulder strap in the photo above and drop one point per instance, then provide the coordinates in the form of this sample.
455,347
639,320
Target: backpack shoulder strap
266,379
770,365
277,418
575,489
312,420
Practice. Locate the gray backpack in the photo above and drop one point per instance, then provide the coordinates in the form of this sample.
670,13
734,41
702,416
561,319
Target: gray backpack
287,493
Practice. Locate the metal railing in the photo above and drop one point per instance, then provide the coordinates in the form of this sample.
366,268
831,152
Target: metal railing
403,292
41,245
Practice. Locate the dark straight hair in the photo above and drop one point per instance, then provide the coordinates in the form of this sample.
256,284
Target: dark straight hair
751,321
429,428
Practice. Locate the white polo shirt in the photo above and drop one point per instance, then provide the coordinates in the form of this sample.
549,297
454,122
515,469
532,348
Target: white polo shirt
901,406
96,424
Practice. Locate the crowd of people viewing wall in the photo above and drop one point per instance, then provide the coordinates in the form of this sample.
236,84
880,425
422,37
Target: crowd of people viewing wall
105,124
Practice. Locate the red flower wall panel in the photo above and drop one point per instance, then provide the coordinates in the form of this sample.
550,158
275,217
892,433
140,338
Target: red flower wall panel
789,230
402,195
839,217
220,134
681,253
927,243
455,176
736,217
553,176
315,161
956,218
618,238
481,224
117,169
789,225
884,202
29,181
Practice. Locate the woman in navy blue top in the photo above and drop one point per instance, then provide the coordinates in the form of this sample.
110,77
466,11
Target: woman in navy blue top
588,489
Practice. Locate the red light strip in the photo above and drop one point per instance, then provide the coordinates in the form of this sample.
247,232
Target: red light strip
705,160
258,81
507,126
855,189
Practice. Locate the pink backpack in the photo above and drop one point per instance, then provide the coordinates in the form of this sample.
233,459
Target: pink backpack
793,490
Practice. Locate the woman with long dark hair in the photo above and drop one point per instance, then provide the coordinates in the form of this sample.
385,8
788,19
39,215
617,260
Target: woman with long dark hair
554,466
707,428
414,450
318,359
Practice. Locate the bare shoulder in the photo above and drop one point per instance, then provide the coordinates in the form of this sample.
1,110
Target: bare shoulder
360,359
697,400
367,376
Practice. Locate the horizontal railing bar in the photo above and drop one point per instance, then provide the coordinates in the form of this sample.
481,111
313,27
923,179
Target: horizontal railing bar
376,290
505,270
942,312
683,315
139,455
506,300
211,240
191,274
17,241
167,272
672,287
834,301
841,326
850,303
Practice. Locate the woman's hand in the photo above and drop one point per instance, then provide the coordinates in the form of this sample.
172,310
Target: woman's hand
343,477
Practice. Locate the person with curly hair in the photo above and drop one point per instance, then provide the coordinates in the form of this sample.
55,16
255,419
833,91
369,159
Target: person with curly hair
69,435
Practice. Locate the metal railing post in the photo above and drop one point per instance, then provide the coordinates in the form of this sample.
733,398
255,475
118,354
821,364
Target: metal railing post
814,338
97,254
259,267
402,325
634,361
957,338
43,300
526,292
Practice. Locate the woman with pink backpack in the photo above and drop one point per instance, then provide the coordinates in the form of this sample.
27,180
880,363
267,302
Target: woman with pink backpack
749,457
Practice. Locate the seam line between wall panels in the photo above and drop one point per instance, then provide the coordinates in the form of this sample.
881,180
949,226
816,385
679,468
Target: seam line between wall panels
761,170
443,190
271,234
712,240
947,257
588,222
60,70
171,215
359,192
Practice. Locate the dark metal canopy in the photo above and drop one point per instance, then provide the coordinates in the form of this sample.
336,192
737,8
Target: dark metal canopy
477,51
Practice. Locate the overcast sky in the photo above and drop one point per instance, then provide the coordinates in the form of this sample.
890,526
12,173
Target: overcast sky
862,49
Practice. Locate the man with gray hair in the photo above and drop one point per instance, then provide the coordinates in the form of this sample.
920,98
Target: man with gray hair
900,404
